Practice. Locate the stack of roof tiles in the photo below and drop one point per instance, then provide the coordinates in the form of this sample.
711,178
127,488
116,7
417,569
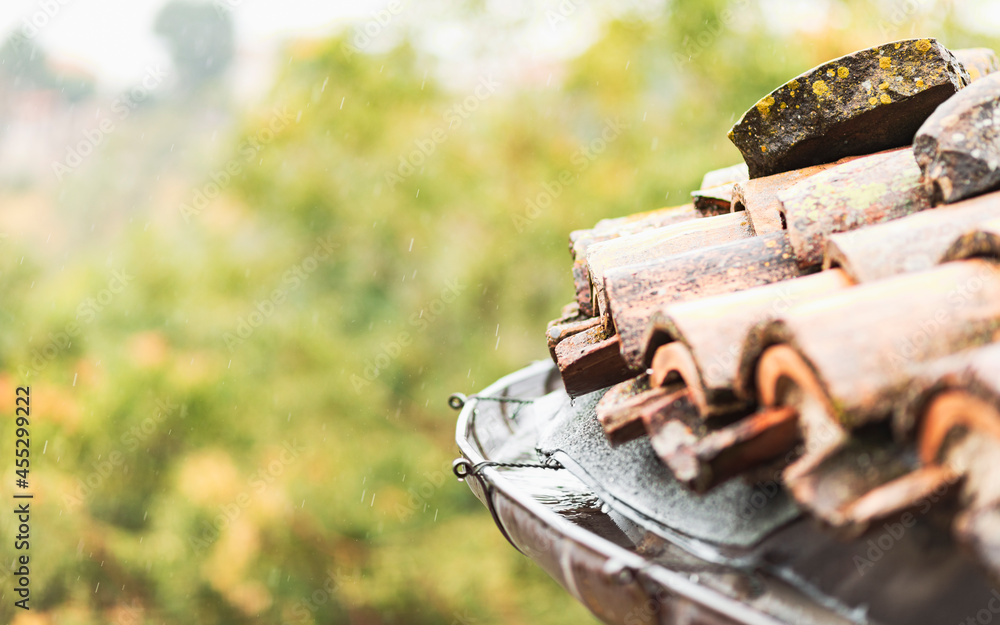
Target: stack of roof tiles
830,309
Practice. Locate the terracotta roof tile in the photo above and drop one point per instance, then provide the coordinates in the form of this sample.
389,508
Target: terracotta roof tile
705,458
974,371
591,359
871,384
715,195
706,336
759,197
957,148
884,328
913,243
636,292
862,192
867,101
714,200
567,325
731,174
978,62
608,229
983,240
659,243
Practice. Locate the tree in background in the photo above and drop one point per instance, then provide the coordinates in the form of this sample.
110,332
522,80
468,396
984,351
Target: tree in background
24,64
200,39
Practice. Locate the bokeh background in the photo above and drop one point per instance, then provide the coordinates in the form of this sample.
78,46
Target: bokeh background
248,248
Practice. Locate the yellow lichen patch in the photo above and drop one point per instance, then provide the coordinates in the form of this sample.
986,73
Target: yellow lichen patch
920,83
843,72
793,85
763,148
923,45
884,62
820,88
884,86
829,72
783,106
764,106
897,45
873,101
885,99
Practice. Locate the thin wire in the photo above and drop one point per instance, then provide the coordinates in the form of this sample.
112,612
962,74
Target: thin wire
475,471
463,468
457,401
504,400
550,463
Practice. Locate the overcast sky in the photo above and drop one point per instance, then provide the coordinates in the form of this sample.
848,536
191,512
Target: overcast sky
113,38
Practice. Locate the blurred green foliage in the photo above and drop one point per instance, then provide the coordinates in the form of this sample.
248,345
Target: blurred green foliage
253,428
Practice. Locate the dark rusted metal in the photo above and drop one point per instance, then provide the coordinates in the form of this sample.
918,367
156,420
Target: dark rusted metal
863,343
660,244
709,333
867,101
979,62
862,192
913,243
958,147
637,292
590,360
608,229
